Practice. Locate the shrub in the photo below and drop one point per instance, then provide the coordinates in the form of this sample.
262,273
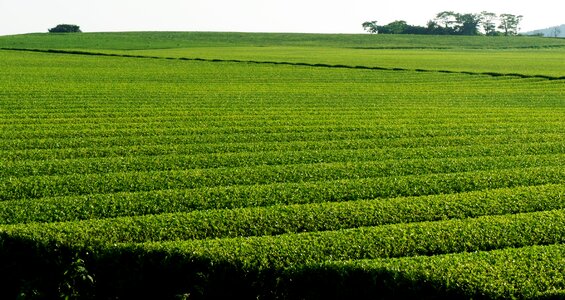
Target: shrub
63,28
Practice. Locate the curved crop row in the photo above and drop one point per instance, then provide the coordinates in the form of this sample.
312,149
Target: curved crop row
69,122
396,240
166,201
531,272
127,139
257,158
81,119
275,220
78,184
184,147
264,259
188,129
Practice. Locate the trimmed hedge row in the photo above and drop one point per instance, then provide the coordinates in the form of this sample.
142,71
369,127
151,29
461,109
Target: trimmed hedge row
41,124
166,201
383,137
189,130
275,220
78,184
259,265
395,240
531,272
185,147
178,161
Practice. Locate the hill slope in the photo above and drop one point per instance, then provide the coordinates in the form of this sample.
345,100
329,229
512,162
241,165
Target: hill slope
161,40
530,56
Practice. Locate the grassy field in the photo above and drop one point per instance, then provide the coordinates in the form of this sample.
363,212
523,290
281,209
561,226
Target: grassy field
171,40
126,177
439,53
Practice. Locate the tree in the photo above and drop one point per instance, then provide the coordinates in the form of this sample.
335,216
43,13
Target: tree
371,27
447,19
397,27
65,28
509,23
453,23
432,27
467,24
488,20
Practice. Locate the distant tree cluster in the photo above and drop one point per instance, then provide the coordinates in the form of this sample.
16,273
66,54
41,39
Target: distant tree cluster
452,23
61,28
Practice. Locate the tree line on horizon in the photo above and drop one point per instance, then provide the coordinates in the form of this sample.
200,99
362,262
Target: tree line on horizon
452,23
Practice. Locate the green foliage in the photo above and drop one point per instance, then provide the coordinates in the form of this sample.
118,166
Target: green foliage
171,40
370,26
65,28
488,23
140,180
510,23
294,218
499,274
262,173
397,240
77,281
452,23
179,200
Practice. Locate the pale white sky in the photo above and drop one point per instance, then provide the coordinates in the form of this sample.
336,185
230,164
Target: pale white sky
318,16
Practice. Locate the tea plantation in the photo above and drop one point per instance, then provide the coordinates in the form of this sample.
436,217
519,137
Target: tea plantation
215,165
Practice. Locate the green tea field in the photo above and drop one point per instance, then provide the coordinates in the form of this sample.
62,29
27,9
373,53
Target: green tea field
281,166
